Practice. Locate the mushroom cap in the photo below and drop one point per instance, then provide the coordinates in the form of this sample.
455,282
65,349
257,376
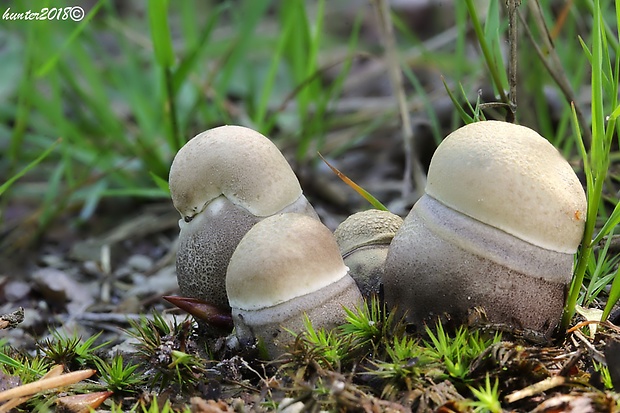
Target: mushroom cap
235,161
511,178
273,325
282,257
371,227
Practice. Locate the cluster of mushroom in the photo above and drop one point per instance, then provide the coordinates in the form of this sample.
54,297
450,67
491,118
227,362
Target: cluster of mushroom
250,243
502,216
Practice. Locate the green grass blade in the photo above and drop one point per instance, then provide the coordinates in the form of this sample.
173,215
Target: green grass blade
582,148
161,183
9,361
268,83
493,36
250,13
49,65
314,125
365,194
599,161
614,295
426,101
164,55
6,360
193,57
160,32
492,64
298,47
28,167
457,105
148,193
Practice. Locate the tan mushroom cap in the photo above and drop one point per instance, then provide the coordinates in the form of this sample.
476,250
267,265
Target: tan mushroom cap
511,178
239,163
282,257
371,227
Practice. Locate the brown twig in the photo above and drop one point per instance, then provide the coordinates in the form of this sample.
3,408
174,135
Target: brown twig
594,353
11,320
55,371
46,384
513,34
536,388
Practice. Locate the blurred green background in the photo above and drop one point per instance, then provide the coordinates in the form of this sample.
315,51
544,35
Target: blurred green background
114,95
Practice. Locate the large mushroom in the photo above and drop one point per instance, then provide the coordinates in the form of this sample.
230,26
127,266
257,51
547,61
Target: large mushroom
501,219
286,266
222,182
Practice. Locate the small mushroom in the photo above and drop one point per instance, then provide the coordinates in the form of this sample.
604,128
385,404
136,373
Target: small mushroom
363,239
502,216
222,182
286,266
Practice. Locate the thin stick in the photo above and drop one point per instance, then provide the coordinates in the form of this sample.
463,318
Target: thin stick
513,34
46,384
53,372
413,168
596,355
536,388
13,403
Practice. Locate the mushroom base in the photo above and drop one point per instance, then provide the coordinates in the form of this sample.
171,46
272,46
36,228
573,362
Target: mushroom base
207,243
205,246
443,262
366,267
323,307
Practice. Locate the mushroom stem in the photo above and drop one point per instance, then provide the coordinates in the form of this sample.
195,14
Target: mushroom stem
473,264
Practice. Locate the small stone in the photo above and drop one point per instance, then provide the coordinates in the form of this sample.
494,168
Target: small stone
16,290
60,288
91,268
55,261
158,283
140,262
286,406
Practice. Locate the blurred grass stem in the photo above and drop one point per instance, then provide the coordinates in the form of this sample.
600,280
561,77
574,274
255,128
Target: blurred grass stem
550,59
413,168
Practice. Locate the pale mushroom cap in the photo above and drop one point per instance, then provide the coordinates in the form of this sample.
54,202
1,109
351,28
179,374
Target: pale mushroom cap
511,178
371,227
237,162
280,258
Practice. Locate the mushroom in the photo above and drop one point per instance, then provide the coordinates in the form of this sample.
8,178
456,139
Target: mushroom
286,266
363,239
222,182
501,219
